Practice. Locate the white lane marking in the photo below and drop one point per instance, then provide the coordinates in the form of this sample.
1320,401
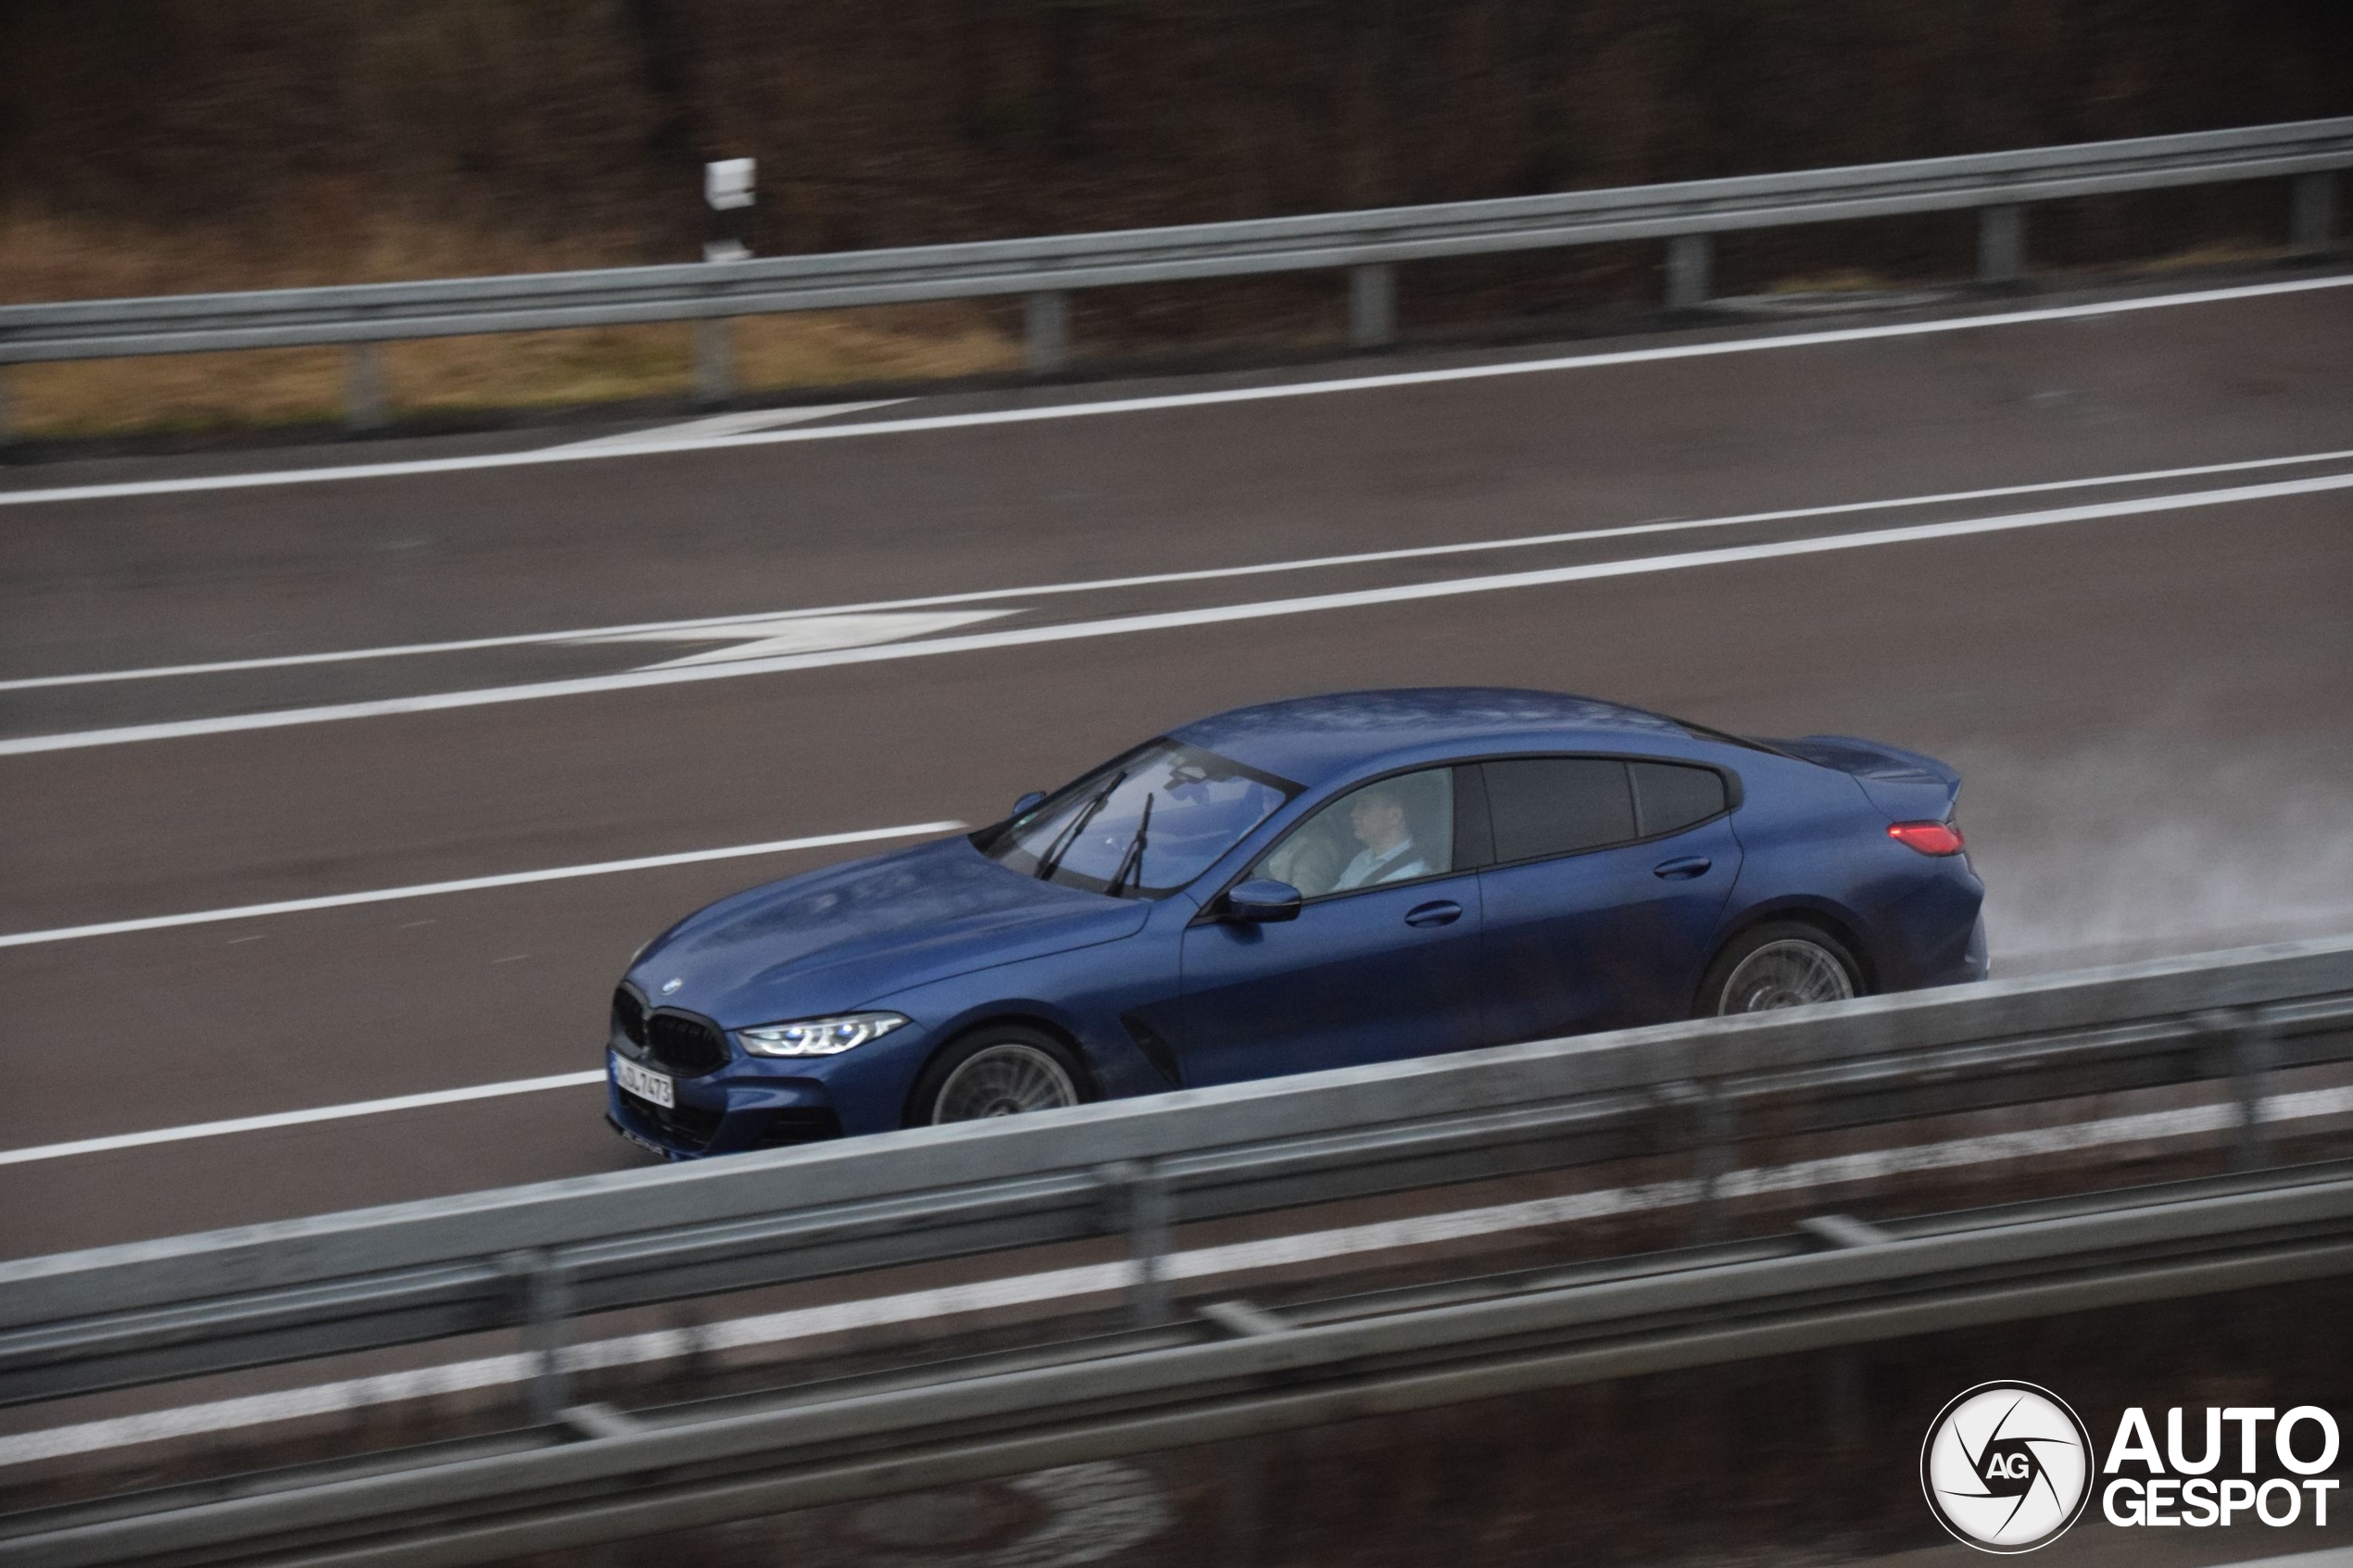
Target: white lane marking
299,1118
1201,574
1211,615
1169,400
719,425
795,634
1070,1285
463,885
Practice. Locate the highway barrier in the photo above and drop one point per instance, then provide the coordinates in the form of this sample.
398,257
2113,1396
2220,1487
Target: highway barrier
603,1475
1689,1094
538,1255
1367,245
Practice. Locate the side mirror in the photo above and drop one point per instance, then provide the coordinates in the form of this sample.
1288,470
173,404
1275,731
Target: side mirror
1262,900
1027,801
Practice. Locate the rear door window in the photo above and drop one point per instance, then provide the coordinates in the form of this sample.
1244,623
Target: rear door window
1557,804
1669,797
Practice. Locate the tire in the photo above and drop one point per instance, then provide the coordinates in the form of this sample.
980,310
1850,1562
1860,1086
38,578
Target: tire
1778,964
998,1069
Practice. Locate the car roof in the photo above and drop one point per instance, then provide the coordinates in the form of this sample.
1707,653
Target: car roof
1314,739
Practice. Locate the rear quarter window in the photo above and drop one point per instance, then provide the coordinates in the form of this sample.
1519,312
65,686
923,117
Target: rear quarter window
1669,797
1557,804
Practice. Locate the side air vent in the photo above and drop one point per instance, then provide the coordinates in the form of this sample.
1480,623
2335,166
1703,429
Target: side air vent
1156,1050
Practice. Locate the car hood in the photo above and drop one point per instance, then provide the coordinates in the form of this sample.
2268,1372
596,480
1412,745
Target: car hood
840,938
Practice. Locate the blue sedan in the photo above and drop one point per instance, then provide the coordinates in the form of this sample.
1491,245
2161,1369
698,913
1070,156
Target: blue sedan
1313,883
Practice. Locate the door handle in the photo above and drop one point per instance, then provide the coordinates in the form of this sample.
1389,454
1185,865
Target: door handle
1683,867
1445,912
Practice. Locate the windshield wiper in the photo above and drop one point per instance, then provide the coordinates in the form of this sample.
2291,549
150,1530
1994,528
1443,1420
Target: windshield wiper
1133,860
1050,861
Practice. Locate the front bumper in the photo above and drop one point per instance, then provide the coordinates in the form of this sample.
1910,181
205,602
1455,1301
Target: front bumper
721,1118
761,1102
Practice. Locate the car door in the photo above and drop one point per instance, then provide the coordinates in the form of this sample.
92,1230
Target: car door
1381,961
1609,881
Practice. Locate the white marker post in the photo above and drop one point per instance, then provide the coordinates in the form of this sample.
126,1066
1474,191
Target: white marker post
726,189
726,186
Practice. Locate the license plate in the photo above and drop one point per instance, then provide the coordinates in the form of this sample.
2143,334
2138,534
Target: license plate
654,1087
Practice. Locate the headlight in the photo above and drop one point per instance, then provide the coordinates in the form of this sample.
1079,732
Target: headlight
818,1036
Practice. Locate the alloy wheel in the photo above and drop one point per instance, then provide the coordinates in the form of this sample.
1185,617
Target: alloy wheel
1003,1080
1785,975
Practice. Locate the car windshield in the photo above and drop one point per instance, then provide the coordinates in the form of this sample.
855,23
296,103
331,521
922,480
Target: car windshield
1142,826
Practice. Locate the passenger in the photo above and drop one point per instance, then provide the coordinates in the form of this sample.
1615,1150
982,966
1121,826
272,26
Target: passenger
1378,816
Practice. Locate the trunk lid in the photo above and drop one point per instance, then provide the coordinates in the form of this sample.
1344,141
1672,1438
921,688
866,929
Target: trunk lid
1906,785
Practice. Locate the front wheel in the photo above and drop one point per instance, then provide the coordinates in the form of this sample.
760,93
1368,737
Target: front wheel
1782,964
1000,1071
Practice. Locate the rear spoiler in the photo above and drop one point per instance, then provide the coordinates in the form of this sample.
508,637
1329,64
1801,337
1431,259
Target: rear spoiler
1906,785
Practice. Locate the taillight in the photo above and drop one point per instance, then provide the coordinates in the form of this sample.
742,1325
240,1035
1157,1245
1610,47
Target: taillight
1929,838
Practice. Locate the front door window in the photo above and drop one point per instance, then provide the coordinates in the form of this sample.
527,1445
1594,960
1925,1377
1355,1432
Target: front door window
1393,830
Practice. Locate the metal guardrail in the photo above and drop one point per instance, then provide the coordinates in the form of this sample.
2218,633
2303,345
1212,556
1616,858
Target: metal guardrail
1243,1373
1368,244
536,1255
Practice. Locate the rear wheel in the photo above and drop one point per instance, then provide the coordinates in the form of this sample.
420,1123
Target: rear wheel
1001,1070
1781,964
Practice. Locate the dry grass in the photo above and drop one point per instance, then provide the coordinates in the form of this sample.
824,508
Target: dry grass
2212,256
187,392
2217,256
43,258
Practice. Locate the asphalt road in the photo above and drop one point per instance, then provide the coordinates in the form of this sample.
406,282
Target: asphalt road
2146,681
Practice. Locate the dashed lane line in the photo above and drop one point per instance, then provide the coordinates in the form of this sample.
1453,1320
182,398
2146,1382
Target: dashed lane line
277,1119
465,884
720,626
1171,620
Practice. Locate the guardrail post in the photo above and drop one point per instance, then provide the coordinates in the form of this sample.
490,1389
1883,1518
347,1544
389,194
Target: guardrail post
1714,1126
2251,1059
2311,212
364,405
714,361
1845,1397
1046,331
1140,1190
2001,244
1372,304
544,1284
1243,1501
1688,259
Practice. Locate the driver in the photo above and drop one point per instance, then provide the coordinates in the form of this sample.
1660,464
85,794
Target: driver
1377,818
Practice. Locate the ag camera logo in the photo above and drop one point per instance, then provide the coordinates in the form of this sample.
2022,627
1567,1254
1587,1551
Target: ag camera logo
2006,1467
